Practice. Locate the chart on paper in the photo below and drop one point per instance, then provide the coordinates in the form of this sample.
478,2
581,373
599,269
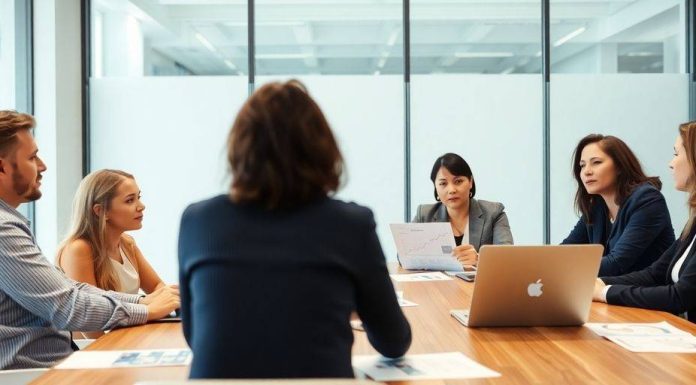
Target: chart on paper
425,246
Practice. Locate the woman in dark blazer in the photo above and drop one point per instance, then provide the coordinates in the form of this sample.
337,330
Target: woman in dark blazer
621,207
474,222
669,284
271,272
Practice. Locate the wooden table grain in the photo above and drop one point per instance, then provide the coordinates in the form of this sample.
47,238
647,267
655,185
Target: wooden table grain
535,355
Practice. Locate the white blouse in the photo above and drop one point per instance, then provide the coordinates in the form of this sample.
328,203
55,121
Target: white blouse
128,277
680,262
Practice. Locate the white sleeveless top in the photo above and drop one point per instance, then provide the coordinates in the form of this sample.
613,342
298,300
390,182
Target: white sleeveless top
127,275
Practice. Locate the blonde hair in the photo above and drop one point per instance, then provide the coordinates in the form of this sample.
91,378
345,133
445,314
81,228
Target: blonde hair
687,131
97,188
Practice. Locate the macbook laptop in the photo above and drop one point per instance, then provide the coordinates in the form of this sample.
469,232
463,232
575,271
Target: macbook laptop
533,286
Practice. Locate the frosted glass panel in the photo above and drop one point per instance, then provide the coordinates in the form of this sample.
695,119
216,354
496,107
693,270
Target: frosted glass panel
367,116
643,110
495,123
171,134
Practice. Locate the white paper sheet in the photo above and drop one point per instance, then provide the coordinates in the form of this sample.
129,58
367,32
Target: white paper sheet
404,302
422,367
96,359
656,329
658,337
420,277
426,246
668,344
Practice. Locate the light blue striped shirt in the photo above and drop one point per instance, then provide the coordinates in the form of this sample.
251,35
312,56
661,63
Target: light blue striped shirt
38,303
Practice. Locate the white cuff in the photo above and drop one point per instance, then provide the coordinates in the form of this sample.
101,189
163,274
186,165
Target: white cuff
604,293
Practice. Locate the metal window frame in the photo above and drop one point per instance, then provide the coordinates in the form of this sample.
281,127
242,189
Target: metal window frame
690,57
546,122
24,70
86,50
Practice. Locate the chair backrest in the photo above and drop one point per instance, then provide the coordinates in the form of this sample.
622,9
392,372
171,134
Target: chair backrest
20,376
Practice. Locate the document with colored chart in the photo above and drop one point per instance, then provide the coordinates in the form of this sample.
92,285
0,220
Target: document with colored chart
425,246
421,367
658,337
103,359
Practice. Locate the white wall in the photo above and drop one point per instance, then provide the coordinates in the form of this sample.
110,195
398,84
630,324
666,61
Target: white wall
495,123
170,133
642,109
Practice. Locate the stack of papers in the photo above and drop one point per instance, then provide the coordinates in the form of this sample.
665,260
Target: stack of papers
658,337
103,359
421,367
421,277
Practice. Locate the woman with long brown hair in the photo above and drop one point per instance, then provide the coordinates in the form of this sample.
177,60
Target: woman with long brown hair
271,272
669,284
620,207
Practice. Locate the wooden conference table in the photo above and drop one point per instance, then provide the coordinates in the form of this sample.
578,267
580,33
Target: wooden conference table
538,355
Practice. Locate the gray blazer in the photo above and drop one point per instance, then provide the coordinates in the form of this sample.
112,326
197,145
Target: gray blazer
488,223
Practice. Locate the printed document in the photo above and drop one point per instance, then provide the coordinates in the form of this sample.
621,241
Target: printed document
421,367
425,246
420,277
96,359
658,337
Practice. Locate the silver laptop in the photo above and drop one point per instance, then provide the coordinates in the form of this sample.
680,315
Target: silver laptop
533,286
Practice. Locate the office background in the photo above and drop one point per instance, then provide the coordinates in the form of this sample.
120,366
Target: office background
152,87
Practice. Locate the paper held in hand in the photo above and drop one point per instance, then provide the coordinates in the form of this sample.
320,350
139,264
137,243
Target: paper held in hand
425,246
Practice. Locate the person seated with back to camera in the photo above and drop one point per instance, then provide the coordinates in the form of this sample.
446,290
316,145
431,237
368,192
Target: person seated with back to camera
271,272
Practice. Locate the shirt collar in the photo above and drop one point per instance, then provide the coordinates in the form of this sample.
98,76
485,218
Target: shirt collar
13,212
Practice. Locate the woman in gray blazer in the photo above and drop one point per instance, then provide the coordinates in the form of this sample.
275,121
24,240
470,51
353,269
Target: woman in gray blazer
474,222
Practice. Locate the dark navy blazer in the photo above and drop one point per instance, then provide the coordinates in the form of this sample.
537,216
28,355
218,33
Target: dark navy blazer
641,232
653,288
270,293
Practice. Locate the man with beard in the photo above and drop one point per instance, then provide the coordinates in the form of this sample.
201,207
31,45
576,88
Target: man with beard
37,302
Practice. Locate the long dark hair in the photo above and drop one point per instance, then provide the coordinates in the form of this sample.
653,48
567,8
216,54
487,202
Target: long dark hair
281,151
629,173
457,166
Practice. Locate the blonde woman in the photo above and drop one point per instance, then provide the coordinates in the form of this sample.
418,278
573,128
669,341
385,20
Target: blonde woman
97,251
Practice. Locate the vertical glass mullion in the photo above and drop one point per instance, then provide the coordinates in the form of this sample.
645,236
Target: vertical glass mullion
546,130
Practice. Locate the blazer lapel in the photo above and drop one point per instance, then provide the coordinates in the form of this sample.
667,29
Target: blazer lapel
476,222
441,214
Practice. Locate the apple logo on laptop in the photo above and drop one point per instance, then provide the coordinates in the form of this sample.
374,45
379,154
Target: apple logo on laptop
534,289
